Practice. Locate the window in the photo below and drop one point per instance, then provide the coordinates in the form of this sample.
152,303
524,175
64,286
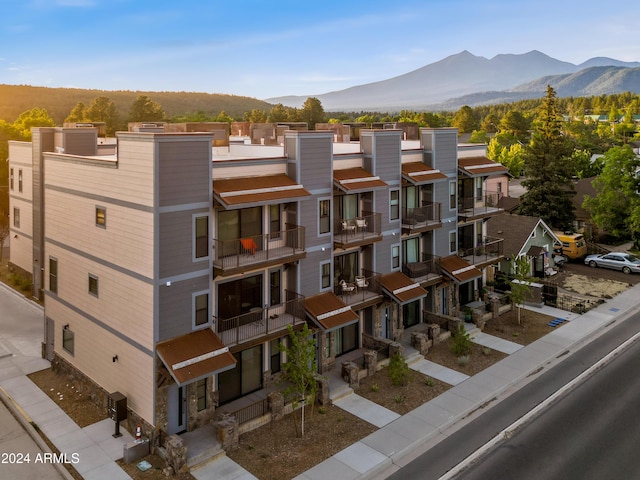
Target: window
325,270
68,341
274,287
101,217
11,179
452,195
452,242
20,181
395,256
201,235
274,221
53,275
93,285
274,349
499,187
201,394
16,217
324,212
478,188
394,204
200,309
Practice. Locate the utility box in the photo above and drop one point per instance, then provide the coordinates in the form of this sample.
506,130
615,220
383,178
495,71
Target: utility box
134,451
117,410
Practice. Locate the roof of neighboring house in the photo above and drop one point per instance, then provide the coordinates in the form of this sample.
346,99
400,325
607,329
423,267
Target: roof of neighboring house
515,230
356,179
480,167
509,204
583,187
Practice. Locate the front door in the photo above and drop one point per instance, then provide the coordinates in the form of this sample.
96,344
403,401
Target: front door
176,409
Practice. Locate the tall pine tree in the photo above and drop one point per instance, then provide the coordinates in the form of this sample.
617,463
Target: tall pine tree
548,169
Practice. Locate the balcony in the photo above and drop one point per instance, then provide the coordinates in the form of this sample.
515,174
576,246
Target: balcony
261,321
479,206
422,219
487,252
357,231
426,271
365,290
258,251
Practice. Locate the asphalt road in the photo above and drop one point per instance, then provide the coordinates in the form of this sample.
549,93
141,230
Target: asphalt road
591,434
459,445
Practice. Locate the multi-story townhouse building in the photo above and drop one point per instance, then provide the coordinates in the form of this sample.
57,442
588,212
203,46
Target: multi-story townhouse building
173,263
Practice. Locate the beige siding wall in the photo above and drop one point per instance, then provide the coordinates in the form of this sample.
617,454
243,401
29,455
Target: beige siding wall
94,349
22,245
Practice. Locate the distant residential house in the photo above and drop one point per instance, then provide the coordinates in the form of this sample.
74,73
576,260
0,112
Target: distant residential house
583,223
524,236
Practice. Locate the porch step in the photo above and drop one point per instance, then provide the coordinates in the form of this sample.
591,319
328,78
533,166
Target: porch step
471,329
411,355
338,388
202,445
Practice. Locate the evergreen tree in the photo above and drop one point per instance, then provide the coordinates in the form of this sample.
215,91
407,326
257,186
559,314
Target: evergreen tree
548,169
102,109
144,109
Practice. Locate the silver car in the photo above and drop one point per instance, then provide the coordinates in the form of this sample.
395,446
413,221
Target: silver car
618,261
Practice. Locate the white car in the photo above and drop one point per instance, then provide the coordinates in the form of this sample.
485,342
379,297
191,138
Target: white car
625,262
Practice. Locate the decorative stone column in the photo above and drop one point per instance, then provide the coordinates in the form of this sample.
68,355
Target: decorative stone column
371,362
433,330
228,434
176,454
276,405
323,392
350,374
396,348
420,341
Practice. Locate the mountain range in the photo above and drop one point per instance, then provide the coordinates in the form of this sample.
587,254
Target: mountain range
467,79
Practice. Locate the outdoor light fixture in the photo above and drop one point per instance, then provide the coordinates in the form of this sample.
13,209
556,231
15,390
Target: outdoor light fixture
66,327
114,359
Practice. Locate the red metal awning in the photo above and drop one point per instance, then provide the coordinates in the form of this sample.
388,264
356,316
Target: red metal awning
329,312
418,173
458,269
262,190
357,179
401,288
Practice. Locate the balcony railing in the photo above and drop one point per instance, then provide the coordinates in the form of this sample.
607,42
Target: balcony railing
489,250
362,289
259,322
479,206
236,254
426,217
428,268
360,230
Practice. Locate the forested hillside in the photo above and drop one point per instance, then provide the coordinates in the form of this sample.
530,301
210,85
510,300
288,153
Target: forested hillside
16,99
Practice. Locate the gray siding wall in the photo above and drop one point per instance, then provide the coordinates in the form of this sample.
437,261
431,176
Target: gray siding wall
176,306
310,271
78,141
185,172
382,253
176,243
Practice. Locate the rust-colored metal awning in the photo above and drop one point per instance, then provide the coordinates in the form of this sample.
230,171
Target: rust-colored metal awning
357,179
195,355
401,288
418,173
480,167
329,312
252,191
458,269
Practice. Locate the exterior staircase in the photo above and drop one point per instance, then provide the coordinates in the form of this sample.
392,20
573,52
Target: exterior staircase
202,445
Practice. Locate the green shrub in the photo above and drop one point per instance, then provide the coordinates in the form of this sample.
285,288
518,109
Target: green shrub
461,343
398,370
464,360
375,387
429,382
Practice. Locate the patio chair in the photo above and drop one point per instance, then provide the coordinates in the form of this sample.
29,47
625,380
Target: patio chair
361,282
348,227
347,288
361,224
249,245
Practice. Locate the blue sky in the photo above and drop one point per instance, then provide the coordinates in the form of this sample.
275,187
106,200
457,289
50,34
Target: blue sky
271,48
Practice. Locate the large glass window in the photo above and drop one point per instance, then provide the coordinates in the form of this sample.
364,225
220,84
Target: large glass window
236,224
275,355
345,267
347,206
275,288
245,378
345,339
326,275
411,250
395,256
274,221
239,296
411,313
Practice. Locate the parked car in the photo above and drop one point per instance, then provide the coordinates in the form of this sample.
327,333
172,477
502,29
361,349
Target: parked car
625,262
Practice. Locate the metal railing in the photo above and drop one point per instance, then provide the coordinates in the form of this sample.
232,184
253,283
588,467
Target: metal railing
360,289
416,217
430,265
488,249
255,410
357,229
258,248
261,321
474,205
